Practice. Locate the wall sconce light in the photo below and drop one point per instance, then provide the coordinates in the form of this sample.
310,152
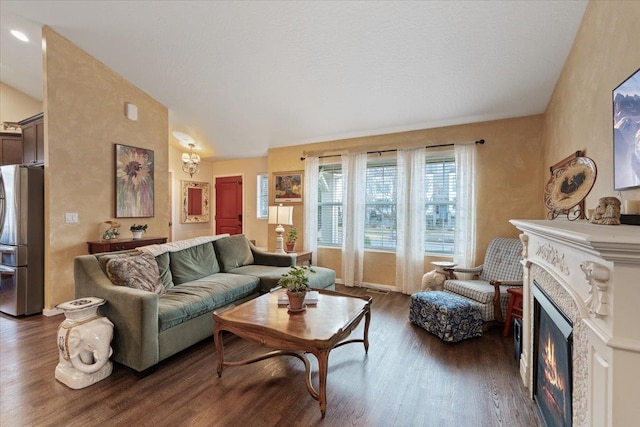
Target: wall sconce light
280,215
190,160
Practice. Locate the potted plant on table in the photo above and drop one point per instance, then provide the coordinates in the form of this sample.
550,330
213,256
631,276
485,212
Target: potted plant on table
292,237
296,282
138,230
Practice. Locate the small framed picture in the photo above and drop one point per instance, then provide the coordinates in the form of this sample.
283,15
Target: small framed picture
288,187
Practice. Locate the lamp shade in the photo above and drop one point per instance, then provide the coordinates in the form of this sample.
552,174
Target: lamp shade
282,215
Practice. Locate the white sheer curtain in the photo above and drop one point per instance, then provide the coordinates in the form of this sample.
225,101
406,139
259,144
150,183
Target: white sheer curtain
410,216
354,175
465,234
310,230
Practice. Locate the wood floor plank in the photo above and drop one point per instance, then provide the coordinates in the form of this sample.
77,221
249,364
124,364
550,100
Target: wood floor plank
408,378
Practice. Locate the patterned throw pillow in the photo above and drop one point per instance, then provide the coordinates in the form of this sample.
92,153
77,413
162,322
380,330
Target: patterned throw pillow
139,272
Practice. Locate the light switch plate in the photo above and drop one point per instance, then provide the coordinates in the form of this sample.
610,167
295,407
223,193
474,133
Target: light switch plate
71,217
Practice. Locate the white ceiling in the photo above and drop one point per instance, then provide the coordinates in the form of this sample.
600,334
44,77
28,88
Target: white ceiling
242,77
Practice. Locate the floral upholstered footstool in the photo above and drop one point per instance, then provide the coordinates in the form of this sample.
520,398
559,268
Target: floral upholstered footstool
449,317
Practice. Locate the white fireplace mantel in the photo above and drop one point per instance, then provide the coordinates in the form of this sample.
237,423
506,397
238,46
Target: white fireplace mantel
592,272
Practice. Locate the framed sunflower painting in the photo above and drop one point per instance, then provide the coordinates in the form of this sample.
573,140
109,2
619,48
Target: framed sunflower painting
134,182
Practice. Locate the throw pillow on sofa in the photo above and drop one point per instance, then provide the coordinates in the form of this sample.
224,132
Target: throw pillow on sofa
139,272
233,252
105,257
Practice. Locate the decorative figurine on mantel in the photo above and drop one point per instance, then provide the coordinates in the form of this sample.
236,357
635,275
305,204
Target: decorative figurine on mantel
112,232
607,212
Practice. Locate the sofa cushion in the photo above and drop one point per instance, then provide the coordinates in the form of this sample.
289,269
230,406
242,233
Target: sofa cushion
193,263
323,278
179,245
482,292
164,265
233,251
190,300
139,272
477,290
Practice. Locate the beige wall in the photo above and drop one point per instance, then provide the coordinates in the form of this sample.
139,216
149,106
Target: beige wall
84,118
253,228
16,106
509,178
579,116
179,230
512,165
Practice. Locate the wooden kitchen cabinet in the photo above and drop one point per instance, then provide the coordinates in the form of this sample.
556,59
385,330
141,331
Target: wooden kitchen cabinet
10,148
33,139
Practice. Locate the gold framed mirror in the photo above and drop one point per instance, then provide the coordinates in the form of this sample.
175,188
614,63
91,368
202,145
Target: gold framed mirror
195,201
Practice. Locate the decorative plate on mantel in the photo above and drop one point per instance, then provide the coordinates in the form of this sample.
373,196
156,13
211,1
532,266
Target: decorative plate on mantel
570,184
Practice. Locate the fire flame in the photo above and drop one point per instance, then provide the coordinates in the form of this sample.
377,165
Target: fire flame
554,389
551,366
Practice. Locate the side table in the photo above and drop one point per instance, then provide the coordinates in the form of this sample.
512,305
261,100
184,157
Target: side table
303,257
434,280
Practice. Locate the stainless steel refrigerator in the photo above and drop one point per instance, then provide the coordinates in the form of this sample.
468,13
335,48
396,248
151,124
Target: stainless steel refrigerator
21,239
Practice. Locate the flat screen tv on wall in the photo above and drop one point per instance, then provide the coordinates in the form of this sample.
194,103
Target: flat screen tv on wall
626,133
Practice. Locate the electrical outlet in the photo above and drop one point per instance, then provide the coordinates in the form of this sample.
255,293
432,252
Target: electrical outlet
71,217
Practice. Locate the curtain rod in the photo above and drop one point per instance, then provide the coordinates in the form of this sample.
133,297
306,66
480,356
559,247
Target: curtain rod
480,141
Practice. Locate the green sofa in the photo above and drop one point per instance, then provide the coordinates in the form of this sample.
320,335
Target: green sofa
197,276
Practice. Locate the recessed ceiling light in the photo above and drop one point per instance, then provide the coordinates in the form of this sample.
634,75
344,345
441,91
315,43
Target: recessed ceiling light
183,137
20,35
186,140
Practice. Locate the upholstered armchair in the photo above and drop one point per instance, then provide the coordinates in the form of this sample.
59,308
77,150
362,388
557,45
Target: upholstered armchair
488,286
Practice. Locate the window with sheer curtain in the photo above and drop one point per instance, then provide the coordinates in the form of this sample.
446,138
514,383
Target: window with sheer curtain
381,204
262,193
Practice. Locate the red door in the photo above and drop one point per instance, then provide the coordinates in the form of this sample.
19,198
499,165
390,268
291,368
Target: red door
229,205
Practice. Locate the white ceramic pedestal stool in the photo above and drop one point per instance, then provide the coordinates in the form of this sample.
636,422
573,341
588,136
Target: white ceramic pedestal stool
84,341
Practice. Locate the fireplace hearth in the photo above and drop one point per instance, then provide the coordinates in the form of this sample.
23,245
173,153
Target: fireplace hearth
552,361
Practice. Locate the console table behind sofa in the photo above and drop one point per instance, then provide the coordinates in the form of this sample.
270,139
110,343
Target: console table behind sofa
98,246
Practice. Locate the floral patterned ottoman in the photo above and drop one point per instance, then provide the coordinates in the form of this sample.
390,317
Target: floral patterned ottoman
448,316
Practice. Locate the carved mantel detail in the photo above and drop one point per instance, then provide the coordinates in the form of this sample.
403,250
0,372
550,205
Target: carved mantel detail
525,245
598,277
551,255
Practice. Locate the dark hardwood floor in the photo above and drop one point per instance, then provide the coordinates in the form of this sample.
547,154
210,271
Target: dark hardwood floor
409,378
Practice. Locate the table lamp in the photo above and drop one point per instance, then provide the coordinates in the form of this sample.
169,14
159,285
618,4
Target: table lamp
280,215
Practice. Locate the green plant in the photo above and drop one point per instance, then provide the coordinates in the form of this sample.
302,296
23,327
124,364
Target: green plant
297,279
292,235
139,227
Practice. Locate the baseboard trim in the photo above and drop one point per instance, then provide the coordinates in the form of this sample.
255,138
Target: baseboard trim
373,287
50,312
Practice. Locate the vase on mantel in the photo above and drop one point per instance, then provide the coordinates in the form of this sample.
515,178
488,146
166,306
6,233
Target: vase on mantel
137,235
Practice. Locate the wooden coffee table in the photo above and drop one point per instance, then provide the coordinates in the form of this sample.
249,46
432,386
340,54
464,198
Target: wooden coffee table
317,330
